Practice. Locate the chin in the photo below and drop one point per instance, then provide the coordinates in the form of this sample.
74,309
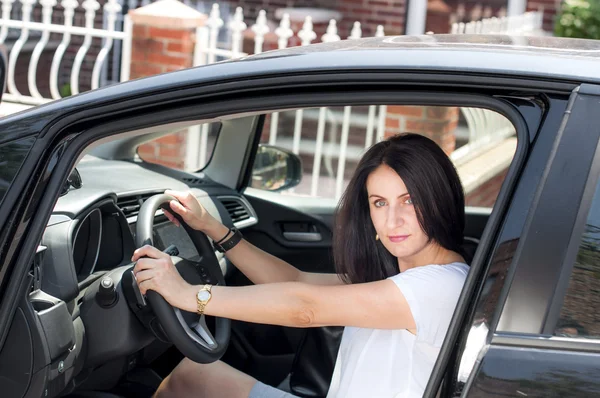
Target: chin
403,253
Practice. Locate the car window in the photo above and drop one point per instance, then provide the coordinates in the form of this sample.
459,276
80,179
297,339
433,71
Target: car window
12,155
580,313
188,149
330,142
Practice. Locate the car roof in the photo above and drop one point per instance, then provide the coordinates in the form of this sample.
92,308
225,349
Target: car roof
519,56
537,57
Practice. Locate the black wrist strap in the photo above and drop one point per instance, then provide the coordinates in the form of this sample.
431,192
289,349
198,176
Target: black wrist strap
223,238
231,242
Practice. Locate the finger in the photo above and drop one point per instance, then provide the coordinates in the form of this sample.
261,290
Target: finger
144,264
187,199
179,208
171,217
147,251
146,285
144,275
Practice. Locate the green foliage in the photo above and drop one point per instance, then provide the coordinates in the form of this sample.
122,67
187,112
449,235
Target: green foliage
65,90
579,19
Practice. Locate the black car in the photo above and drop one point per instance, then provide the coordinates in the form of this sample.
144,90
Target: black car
77,197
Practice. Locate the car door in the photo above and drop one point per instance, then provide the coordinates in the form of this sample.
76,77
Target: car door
515,343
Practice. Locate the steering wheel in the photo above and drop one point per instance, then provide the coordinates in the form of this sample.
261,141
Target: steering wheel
188,331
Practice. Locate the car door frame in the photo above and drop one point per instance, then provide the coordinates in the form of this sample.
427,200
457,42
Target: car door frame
517,335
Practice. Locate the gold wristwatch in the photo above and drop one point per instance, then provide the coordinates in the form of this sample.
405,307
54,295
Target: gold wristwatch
203,297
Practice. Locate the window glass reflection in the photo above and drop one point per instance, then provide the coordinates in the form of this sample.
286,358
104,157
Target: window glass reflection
580,314
12,155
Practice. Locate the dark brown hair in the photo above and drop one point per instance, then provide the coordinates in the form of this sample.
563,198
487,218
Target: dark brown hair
436,192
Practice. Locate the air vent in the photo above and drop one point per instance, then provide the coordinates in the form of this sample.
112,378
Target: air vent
130,205
193,180
239,210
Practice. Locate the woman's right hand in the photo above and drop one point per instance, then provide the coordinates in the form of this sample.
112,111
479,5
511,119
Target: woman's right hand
190,210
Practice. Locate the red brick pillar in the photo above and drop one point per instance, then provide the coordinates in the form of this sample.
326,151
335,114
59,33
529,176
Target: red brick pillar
163,40
163,37
435,122
438,17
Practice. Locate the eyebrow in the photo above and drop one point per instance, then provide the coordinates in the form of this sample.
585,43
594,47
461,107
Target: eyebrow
379,196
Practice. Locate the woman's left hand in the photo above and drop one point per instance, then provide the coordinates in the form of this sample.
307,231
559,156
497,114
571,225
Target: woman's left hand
155,271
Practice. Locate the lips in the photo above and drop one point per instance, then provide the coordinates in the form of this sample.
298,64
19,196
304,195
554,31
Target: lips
398,238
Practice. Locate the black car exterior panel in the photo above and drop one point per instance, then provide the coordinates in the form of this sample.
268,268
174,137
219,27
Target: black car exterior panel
509,371
574,246
550,225
502,250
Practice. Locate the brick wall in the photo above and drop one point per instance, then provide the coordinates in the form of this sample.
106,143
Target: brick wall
168,151
370,13
435,122
485,195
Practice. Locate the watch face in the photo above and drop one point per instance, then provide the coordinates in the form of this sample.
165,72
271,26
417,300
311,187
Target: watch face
203,295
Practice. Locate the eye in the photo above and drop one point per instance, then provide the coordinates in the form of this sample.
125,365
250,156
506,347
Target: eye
379,203
409,201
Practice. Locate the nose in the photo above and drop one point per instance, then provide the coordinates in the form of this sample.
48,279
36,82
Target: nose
395,217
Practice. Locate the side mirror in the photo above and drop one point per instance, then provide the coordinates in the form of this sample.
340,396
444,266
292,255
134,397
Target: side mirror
74,181
275,169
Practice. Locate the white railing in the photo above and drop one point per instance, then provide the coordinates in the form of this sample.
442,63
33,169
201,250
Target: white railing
487,128
47,32
529,23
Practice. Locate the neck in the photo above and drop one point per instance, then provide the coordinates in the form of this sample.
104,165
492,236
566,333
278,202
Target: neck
431,254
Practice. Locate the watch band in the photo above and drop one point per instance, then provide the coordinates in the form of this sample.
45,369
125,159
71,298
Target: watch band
229,243
202,304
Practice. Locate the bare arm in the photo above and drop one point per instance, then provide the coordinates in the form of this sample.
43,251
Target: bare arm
299,304
378,305
259,266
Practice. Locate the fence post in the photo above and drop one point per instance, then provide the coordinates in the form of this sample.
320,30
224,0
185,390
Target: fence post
163,37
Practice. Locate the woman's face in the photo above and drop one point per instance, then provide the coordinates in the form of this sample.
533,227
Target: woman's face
393,214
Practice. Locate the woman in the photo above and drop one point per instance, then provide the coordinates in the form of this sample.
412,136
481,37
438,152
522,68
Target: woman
397,242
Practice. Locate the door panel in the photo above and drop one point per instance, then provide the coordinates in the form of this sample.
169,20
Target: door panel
531,372
265,351
277,219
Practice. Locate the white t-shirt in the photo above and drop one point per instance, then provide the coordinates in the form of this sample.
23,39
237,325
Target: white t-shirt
395,363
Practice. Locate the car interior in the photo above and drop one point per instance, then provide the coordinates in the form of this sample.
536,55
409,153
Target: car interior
101,335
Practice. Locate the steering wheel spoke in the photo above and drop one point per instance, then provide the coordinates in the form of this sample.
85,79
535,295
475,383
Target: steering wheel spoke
202,330
198,331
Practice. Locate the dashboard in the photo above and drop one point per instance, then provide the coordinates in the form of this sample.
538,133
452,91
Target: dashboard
91,235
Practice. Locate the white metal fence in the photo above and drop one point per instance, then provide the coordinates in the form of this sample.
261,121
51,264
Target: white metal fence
46,31
529,23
